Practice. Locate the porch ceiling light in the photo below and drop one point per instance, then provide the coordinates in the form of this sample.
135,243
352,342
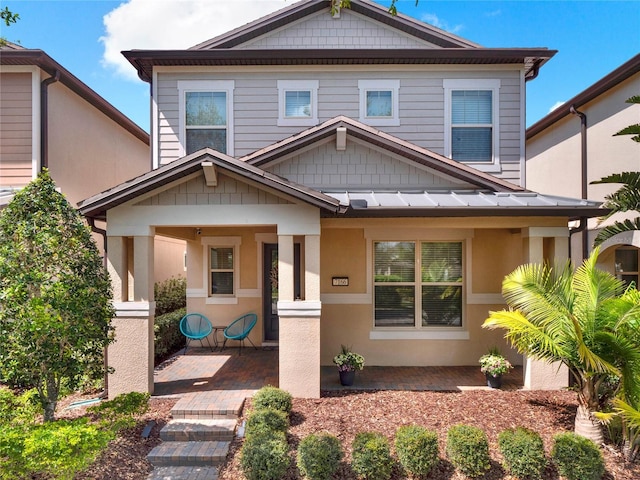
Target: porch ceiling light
210,174
341,139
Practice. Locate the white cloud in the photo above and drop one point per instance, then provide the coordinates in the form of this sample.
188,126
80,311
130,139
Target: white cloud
432,19
555,105
173,24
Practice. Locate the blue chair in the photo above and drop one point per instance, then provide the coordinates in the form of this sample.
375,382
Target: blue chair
239,330
195,326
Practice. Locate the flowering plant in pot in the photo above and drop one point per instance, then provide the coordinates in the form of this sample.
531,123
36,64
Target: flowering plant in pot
494,365
348,362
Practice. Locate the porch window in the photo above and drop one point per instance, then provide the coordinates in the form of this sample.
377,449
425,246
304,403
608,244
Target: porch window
206,115
627,262
379,102
471,110
222,271
298,104
418,284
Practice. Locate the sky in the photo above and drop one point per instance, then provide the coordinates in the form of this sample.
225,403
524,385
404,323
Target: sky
86,37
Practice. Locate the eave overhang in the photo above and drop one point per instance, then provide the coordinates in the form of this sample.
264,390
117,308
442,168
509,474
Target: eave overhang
144,61
34,57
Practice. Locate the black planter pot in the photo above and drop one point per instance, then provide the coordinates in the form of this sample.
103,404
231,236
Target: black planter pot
347,378
494,381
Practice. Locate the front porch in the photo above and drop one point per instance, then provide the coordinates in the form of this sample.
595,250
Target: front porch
202,371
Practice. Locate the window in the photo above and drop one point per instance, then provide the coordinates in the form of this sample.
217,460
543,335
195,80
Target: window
222,271
298,104
206,115
221,267
418,284
471,110
627,265
379,102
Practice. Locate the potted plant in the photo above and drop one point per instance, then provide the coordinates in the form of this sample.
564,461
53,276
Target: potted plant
348,362
494,365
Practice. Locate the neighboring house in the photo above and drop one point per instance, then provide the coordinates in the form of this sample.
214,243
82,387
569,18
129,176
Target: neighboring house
49,118
355,180
575,145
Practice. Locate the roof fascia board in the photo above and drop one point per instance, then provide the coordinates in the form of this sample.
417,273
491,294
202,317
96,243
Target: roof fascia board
606,83
73,83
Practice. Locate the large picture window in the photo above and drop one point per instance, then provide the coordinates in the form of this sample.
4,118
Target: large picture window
418,284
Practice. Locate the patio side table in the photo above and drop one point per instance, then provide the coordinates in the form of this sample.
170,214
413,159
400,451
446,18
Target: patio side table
216,329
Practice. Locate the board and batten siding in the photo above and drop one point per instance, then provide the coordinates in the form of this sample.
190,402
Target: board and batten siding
351,30
16,136
421,106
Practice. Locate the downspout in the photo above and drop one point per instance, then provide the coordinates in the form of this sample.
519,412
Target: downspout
103,233
582,227
44,122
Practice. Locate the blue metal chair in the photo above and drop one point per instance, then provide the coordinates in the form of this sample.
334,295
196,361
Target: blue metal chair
239,330
195,326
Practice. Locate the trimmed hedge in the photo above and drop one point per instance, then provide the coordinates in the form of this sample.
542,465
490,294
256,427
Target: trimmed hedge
371,456
468,450
417,449
170,295
265,456
319,456
273,397
167,336
266,419
576,457
523,452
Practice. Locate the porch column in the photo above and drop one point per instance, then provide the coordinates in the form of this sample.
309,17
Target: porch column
131,354
299,320
551,245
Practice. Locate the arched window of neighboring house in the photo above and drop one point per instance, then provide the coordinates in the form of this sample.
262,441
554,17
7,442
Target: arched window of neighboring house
627,261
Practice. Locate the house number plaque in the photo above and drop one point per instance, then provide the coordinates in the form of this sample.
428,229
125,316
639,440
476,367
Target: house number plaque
340,281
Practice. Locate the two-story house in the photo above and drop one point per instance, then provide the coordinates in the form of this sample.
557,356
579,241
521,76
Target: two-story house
51,119
575,145
353,179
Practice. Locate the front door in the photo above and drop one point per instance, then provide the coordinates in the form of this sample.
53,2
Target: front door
270,287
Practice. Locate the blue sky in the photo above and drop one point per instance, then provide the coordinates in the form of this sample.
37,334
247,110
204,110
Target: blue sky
85,36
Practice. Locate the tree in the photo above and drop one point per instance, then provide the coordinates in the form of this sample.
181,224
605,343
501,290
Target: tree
580,318
627,197
55,295
8,17
337,4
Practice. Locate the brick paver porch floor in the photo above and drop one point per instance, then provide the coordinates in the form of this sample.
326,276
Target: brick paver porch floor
201,371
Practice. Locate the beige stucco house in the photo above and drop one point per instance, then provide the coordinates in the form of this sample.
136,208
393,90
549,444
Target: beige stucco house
49,118
575,145
355,179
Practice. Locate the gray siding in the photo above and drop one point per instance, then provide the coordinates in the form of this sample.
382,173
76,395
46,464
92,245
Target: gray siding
351,30
228,192
421,105
360,168
16,137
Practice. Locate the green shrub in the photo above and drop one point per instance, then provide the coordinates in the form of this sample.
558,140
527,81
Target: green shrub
266,419
265,456
318,456
371,457
273,397
18,408
170,295
468,449
576,457
122,411
523,452
417,449
167,338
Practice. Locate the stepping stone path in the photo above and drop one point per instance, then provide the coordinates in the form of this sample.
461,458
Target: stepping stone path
196,441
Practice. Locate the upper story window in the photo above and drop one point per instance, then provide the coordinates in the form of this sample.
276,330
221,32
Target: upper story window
297,102
206,115
418,284
379,102
471,121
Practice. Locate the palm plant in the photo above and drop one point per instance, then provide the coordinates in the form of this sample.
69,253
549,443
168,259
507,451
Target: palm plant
580,318
625,199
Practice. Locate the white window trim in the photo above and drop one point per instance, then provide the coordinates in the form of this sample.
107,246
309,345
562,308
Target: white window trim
392,85
207,244
185,86
474,84
297,85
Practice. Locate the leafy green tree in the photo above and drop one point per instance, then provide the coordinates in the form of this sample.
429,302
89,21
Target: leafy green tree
55,295
580,318
8,17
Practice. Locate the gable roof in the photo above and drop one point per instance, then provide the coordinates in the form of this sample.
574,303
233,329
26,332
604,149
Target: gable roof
384,141
13,54
97,205
451,49
606,83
